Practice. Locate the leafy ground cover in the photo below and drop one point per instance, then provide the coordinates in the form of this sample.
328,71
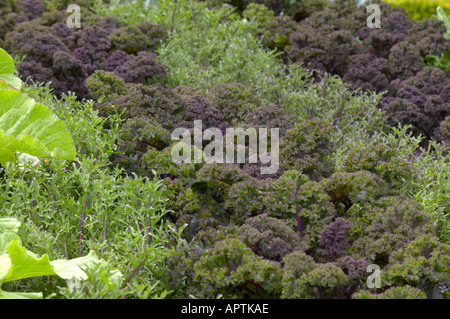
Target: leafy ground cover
361,181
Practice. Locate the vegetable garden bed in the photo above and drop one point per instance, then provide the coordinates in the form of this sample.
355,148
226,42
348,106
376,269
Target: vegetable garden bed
355,204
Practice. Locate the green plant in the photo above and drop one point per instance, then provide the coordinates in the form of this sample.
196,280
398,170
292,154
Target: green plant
420,9
27,126
441,15
442,61
17,263
7,70
70,208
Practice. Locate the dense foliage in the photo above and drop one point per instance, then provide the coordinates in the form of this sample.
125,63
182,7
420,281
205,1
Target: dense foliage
356,185
391,59
67,56
420,9
241,219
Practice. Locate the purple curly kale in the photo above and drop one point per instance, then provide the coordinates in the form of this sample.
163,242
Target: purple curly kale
419,100
31,8
116,59
270,237
334,239
336,40
94,40
155,101
42,36
135,38
71,73
200,108
142,68
368,72
38,43
405,60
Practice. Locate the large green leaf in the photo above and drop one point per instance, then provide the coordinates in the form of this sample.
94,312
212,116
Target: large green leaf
17,263
30,127
9,225
6,239
20,295
68,269
6,63
5,265
7,70
25,265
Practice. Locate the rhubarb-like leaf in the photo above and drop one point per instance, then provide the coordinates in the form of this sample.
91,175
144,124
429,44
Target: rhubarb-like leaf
30,127
17,263
9,225
7,70
20,295
68,269
5,240
26,265
5,265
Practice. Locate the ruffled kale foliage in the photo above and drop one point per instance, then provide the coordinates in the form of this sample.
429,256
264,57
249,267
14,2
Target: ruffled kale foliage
423,263
306,146
231,269
334,239
308,231
270,237
311,229
297,10
396,58
405,292
135,38
304,278
380,160
420,100
66,57
394,222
